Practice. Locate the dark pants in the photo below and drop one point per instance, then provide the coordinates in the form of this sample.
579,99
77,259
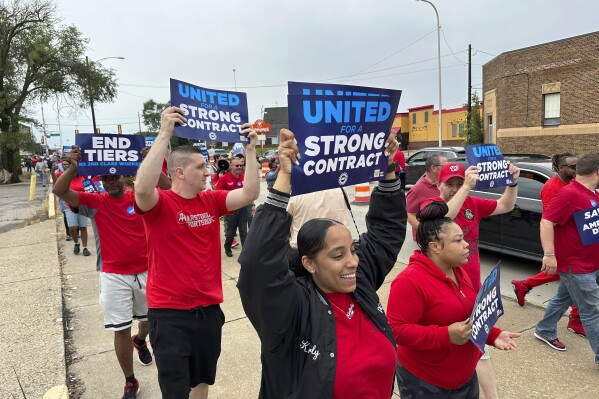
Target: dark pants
233,222
250,215
412,387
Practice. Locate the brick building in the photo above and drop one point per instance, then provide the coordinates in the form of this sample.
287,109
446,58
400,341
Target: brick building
545,98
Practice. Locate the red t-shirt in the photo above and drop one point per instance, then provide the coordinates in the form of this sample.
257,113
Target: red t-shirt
401,161
472,211
121,232
184,259
228,182
366,359
422,190
571,255
550,188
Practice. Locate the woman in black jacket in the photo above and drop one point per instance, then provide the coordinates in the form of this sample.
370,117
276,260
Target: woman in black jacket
324,335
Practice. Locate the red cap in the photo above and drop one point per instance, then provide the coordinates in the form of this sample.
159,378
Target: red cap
451,170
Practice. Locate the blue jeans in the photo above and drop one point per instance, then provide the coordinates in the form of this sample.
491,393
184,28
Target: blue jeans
42,176
581,290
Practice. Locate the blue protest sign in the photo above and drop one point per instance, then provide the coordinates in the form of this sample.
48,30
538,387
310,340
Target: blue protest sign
150,140
204,150
109,154
66,149
215,115
341,132
487,309
91,185
492,168
587,223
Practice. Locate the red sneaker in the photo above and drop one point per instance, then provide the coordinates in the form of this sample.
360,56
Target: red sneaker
520,289
234,244
575,326
131,390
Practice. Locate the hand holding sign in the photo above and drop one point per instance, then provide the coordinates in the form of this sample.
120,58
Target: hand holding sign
288,151
459,333
248,129
169,118
75,155
471,177
514,170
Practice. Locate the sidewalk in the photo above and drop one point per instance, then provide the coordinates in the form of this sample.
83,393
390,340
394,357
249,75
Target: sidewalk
31,333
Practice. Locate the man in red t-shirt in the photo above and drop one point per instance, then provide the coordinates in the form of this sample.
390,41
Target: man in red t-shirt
400,160
184,258
455,184
564,252
123,257
425,188
565,167
233,180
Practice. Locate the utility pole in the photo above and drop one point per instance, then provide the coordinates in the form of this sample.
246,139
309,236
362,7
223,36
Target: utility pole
91,95
234,79
139,120
469,84
58,119
44,129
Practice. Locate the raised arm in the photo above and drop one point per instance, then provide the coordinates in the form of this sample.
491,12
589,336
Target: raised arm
386,225
266,286
251,180
507,201
62,186
454,204
148,174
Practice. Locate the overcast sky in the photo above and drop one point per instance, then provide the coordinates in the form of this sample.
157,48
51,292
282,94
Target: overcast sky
379,43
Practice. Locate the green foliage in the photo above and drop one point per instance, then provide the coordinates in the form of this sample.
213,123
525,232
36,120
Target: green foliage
40,58
474,131
151,114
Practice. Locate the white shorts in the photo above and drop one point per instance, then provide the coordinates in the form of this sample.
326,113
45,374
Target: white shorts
487,353
122,299
75,219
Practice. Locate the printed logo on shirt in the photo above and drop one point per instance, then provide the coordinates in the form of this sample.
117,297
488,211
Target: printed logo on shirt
238,184
593,202
131,210
197,220
468,214
305,346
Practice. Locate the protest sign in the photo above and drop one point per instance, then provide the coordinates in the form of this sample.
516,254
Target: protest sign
66,149
215,115
109,154
150,140
587,223
204,150
492,168
488,308
341,133
93,185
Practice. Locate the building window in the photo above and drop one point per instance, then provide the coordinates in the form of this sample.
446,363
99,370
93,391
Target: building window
454,129
425,116
413,119
551,103
461,128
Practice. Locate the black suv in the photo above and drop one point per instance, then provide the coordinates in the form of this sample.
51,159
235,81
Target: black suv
416,163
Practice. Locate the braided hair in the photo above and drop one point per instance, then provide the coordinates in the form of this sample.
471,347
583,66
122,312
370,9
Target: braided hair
432,219
559,159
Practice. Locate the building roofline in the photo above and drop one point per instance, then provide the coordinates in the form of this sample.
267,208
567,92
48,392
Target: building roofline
541,45
420,108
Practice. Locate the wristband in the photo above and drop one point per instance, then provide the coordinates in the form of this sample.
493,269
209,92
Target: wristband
391,167
548,254
513,185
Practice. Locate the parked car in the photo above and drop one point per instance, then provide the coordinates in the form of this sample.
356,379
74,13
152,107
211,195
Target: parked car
416,163
217,152
517,232
268,155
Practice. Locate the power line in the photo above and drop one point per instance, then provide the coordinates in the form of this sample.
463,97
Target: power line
452,52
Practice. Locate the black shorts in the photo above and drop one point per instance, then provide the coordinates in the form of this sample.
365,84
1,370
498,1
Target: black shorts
412,387
186,345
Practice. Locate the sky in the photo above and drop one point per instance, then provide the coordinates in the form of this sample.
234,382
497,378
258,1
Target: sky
378,43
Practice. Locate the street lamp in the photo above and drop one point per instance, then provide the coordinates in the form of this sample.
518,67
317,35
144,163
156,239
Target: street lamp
439,62
91,96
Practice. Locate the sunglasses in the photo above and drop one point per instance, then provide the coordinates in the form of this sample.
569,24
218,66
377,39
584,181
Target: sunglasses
238,166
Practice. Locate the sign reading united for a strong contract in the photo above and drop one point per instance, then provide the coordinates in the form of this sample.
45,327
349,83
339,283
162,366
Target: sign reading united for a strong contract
492,167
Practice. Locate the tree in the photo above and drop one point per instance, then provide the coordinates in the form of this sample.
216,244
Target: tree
474,132
40,58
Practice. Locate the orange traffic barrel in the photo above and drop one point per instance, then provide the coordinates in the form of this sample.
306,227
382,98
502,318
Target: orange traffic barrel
265,169
362,193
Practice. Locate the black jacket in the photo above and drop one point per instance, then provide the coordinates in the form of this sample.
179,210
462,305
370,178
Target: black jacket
294,321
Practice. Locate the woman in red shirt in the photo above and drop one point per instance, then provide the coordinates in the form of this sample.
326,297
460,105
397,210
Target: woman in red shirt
429,310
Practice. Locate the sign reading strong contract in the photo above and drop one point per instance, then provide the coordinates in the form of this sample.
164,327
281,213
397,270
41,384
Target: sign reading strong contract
214,115
340,132
492,168
197,220
488,308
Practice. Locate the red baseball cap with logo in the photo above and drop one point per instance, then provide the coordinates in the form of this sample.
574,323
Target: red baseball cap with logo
451,170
